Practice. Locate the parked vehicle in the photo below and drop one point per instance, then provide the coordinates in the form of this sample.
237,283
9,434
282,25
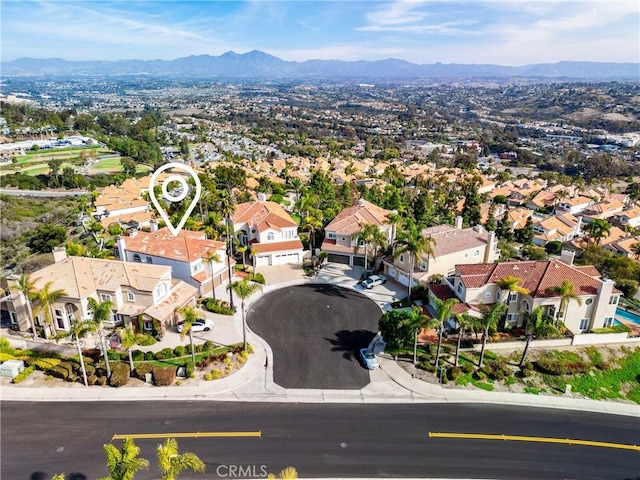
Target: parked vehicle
374,280
200,325
369,359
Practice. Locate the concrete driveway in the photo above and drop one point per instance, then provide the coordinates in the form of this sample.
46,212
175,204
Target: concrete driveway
315,332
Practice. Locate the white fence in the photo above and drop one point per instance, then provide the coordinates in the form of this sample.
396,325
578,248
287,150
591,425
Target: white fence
584,339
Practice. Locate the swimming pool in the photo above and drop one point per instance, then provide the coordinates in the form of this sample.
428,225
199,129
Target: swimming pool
631,317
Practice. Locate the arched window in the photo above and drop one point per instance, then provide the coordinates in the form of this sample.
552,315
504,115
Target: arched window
270,236
524,305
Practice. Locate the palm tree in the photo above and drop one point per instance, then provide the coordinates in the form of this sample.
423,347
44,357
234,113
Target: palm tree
123,464
253,253
312,223
417,246
80,328
244,289
212,256
171,463
598,229
567,292
532,319
243,250
226,208
288,473
189,315
307,202
465,323
489,319
635,248
101,313
128,340
365,235
45,298
512,285
443,310
27,288
422,322
296,184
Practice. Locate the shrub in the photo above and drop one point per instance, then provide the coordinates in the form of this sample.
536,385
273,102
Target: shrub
119,374
199,348
74,378
190,370
101,372
102,381
113,355
90,369
142,369
138,355
179,351
44,364
5,347
145,340
165,354
68,366
92,380
558,365
216,373
454,373
479,375
23,375
149,356
4,356
497,369
164,376
93,353
258,278
614,329
218,306
427,366
467,368
208,346
208,377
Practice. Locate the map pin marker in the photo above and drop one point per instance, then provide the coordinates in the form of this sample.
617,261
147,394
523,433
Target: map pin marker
177,196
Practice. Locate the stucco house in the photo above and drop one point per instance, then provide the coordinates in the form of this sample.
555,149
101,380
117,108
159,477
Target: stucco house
628,218
186,254
140,293
561,228
269,231
341,232
478,284
453,245
573,205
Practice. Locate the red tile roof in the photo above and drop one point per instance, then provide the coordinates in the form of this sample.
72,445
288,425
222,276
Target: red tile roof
352,219
277,246
262,215
186,247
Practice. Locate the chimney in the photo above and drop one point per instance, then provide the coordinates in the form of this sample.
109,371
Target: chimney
59,254
566,256
361,202
133,232
120,246
489,253
262,197
458,223
153,225
479,228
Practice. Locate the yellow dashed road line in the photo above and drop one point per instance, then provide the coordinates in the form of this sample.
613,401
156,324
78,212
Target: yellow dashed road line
187,435
519,438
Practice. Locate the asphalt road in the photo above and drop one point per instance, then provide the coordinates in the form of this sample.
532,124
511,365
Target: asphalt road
315,333
325,440
41,193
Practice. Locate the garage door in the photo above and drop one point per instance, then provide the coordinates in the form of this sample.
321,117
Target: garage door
262,260
359,261
403,279
280,259
335,258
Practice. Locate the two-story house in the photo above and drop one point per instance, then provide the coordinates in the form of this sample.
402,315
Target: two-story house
479,284
602,210
561,228
190,255
628,218
452,246
140,293
574,205
341,233
269,232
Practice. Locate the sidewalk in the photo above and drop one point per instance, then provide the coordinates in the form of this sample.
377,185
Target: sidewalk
254,381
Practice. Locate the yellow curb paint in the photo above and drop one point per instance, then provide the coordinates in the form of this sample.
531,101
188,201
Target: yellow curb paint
187,435
518,438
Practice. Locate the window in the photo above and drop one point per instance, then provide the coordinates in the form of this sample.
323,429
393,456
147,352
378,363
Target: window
149,260
401,258
14,318
608,322
584,324
498,296
105,297
136,258
613,300
161,290
147,325
131,297
60,325
513,296
197,267
423,265
270,236
466,255
460,287
331,235
512,317
476,253
589,301
551,312
525,305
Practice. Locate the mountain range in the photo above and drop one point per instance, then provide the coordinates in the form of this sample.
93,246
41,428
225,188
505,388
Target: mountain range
257,64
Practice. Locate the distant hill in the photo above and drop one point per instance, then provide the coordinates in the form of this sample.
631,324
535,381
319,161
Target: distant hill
257,64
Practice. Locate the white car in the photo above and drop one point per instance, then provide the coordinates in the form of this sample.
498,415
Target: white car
200,325
374,280
369,359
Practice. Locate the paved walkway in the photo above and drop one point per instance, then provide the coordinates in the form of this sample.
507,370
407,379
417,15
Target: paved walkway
254,382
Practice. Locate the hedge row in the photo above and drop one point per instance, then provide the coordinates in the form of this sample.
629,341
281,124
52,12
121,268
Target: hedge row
164,354
160,376
217,306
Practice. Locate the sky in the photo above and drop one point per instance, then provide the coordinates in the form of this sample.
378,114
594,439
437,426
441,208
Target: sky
503,32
